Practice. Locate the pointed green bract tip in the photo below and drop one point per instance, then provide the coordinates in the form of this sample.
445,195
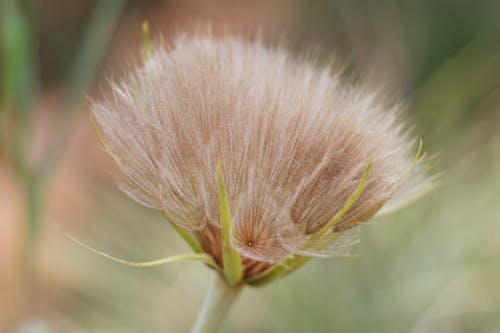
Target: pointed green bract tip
352,199
146,39
203,257
413,163
233,268
317,240
188,236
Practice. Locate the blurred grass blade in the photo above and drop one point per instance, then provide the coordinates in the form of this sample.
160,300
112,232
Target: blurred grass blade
82,73
18,82
18,66
446,89
231,258
203,257
91,51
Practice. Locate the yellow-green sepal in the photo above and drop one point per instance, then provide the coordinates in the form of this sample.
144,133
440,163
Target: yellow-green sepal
352,199
280,270
317,240
188,236
146,39
202,257
233,268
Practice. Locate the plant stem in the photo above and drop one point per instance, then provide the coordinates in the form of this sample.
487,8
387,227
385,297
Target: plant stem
33,207
218,301
33,210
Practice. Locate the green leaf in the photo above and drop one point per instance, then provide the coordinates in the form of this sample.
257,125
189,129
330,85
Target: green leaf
233,270
203,257
18,66
18,84
80,77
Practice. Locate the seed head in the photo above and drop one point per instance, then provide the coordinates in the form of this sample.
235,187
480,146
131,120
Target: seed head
293,142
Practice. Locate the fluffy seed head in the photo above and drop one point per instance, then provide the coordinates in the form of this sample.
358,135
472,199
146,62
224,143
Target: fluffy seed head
293,142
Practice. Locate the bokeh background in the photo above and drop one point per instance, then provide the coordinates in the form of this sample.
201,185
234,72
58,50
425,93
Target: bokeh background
432,267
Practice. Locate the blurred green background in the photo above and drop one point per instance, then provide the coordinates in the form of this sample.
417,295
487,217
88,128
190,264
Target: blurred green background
432,267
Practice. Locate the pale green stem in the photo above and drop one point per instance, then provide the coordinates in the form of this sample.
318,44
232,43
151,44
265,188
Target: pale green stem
217,303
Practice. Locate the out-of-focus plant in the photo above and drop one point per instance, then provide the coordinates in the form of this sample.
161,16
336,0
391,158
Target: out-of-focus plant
20,92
